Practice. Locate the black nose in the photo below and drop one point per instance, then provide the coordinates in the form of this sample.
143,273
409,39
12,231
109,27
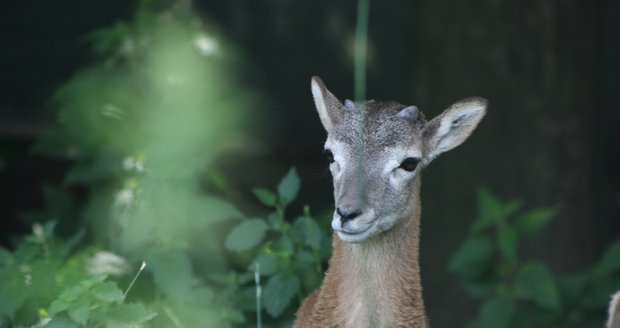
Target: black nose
347,214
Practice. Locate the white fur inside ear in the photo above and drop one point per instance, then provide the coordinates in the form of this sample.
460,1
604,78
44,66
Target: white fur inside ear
321,106
454,125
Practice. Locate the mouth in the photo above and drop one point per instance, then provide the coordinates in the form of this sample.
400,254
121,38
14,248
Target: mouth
350,235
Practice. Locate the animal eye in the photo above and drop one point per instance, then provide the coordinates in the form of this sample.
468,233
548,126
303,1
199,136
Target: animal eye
409,164
329,155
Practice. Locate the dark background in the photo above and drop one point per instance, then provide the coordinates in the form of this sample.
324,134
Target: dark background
549,69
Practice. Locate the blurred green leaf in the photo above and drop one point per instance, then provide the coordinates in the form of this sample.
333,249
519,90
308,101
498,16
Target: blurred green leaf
289,187
609,262
508,244
80,312
534,282
246,235
535,220
131,314
285,245
279,292
221,208
58,306
13,293
473,258
313,233
276,221
493,210
61,322
108,292
71,294
481,287
265,196
305,230
495,313
268,264
172,273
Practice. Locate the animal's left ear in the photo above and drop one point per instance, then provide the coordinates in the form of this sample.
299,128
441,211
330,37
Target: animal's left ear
452,127
614,312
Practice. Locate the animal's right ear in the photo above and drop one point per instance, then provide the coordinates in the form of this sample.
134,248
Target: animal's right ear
614,312
329,107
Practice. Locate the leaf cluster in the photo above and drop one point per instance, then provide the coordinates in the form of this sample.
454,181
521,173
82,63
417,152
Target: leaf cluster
288,255
526,293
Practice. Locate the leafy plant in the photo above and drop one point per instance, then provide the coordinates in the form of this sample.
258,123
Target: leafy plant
526,293
289,254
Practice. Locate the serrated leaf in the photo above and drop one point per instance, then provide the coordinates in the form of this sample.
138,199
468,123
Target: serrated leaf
535,220
508,244
534,282
58,306
246,235
71,294
107,292
288,187
473,258
96,279
495,313
278,293
266,197
609,262
80,313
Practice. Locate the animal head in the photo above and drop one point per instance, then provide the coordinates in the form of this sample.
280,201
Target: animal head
376,152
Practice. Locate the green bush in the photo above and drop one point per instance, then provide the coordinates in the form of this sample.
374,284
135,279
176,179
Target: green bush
525,293
143,128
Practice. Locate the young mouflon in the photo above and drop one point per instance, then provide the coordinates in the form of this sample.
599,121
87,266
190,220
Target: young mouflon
377,151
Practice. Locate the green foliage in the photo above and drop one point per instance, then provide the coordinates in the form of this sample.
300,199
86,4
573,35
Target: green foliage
291,251
525,293
143,128
95,302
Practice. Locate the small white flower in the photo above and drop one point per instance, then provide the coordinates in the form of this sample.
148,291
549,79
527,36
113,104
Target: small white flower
129,163
139,164
206,46
104,262
37,230
41,323
25,270
124,197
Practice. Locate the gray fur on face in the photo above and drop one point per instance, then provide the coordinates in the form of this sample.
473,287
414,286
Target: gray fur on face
369,145
373,145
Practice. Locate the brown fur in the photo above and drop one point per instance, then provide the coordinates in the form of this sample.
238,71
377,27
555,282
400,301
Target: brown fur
372,284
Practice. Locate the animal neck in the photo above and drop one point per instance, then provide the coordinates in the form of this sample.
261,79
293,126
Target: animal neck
378,281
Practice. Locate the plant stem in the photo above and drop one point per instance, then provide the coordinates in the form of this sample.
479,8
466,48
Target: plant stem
259,322
134,279
361,48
